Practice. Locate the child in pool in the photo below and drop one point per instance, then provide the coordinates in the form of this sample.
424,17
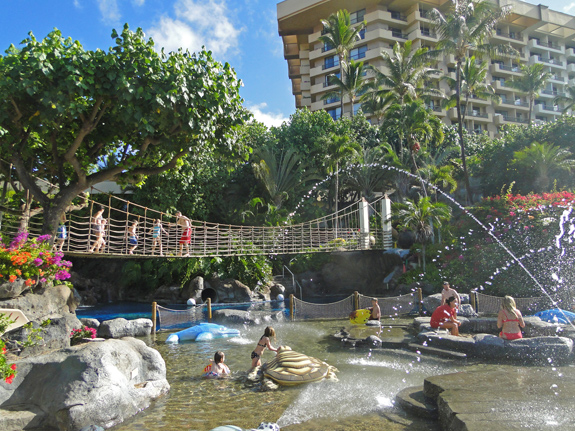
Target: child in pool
261,346
217,367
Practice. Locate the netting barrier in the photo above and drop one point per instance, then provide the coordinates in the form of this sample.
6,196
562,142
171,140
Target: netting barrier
492,304
393,306
168,318
303,310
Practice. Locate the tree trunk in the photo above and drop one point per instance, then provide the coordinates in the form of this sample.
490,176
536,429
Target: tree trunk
341,79
530,109
423,252
336,196
460,132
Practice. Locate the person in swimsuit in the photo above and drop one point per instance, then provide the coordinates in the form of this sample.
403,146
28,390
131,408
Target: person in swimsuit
217,368
375,310
444,316
510,320
61,235
449,292
98,230
156,232
186,237
132,237
261,346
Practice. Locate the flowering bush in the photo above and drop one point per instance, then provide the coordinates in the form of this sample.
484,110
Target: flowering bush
32,260
78,334
7,372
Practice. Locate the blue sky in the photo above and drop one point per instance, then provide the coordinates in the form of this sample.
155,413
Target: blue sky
241,32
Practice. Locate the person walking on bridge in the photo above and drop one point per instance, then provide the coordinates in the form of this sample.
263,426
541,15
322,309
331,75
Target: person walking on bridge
186,237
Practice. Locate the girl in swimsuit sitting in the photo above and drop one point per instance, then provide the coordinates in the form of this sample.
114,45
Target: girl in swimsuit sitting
261,346
510,320
218,368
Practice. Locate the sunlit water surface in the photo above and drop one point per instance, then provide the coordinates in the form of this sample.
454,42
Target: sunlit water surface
361,400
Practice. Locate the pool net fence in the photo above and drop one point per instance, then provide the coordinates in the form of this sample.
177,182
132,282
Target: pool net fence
168,318
488,304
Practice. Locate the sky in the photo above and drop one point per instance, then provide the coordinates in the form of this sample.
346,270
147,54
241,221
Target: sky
240,32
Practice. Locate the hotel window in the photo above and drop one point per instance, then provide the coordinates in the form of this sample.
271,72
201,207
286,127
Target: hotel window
356,108
326,81
358,53
335,113
332,99
357,16
330,62
362,34
477,128
326,47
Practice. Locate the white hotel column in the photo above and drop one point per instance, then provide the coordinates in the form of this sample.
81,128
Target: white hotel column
386,223
363,224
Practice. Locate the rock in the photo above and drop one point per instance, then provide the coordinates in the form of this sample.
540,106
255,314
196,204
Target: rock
466,310
373,341
277,289
242,317
120,327
92,428
55,335
12,290
99,384
229,290
90,323
167,293
414,401
193,290
431,302
535,327
21,419
44,302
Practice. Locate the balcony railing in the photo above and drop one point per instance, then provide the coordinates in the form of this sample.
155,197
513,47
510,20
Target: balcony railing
549,108
424,13
557,78
550,92
514,36
398,16
516,119
332,100
509,68
329,65
550,61
548,45
399,35
429,33
477,114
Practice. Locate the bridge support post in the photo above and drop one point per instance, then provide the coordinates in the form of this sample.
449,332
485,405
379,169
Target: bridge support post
363,224
154,313
386,223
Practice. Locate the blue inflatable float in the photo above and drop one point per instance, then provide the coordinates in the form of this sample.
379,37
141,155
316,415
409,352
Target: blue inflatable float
556,315
202,332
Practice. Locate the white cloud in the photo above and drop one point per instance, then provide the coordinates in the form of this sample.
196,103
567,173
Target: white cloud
267,118
197,23
569,8
109,10
138,2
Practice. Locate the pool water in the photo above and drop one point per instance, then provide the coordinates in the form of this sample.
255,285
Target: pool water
368,383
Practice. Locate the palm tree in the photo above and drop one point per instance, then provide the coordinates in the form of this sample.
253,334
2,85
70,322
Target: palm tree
416,125
420,217
467,26
544,160
339,149
339,34
568,99
375,104
352,85
408,72
367,176
472,85
280,174
533,80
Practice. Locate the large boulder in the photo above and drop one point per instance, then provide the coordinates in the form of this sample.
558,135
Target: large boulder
96,383
120,327
228,290
227,316
44,302
12,290
194,290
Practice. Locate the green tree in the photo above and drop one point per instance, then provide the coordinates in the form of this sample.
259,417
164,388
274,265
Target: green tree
421,216
473,85
352,85
408,72
464,28
339,34
531,82
544,160
67,108
568,98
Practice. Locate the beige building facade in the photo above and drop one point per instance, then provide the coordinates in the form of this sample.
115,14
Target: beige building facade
539,34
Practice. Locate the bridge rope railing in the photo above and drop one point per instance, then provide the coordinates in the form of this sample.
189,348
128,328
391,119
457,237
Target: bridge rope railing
337,231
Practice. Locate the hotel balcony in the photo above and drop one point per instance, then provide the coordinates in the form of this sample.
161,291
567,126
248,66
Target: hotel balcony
479,101
396,18
497,85
518,104
571,68
501,68
556,79
551,93
547,61
474,115
546,46
506,37
425,35
500,119
546,109
291,50
570,53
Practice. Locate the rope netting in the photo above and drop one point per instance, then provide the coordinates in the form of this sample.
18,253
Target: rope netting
128,228
492,304
336,310
392,306
174,318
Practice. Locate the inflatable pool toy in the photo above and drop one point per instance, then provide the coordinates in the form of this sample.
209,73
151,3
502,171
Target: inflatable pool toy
292,368
203,332
359,317
556,315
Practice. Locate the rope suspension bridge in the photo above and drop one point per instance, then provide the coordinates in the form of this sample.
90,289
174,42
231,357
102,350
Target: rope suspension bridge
126,229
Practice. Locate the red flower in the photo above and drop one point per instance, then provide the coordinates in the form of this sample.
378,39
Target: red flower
9,379
12,278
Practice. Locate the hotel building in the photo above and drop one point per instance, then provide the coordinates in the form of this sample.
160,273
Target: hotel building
539,34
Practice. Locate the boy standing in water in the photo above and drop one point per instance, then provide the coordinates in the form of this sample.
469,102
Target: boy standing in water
375,310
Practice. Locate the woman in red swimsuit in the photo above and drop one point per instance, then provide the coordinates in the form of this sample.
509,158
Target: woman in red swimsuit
510,320
445,316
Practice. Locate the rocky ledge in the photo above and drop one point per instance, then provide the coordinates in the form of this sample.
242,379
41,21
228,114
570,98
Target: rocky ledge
96,383
510,399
